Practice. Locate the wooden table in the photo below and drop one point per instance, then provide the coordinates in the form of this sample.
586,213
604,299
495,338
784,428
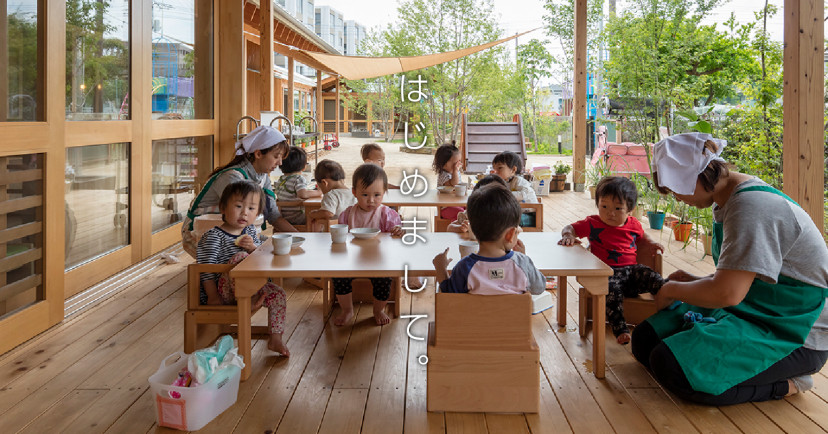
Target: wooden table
384,256
395,198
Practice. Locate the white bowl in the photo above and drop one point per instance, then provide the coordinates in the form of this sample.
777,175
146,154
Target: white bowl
364,233
297,241
447,189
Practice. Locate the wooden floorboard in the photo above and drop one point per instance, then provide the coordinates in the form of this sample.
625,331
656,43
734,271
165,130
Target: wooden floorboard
89,374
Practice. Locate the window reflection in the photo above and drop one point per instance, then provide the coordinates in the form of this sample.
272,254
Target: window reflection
21,60
179,169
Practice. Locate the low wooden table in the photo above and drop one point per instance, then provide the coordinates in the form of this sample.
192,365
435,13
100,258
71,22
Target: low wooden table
385,256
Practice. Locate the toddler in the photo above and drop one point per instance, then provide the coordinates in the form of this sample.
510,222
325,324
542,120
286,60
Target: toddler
369,186
293,186
373,153
614,237
336,197
230,243
496,269
461,225
447,166
509,166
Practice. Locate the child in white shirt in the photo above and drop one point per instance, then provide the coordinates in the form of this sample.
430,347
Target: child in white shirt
337,197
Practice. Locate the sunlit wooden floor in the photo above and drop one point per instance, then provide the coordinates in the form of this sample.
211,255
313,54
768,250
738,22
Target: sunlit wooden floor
89,374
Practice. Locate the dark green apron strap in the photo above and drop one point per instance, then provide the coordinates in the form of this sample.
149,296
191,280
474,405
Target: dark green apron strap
191,212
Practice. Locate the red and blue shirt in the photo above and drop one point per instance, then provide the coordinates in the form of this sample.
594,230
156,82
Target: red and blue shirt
615,245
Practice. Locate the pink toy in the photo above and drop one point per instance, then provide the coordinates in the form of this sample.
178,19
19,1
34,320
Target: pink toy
185,379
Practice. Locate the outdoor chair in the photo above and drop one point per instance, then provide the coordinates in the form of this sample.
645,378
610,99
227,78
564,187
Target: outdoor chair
479,365
204,323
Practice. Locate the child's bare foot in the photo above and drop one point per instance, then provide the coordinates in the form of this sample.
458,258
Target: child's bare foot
276,344
623,338
344,318
379,313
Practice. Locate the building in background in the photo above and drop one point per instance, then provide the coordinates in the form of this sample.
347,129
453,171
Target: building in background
354,34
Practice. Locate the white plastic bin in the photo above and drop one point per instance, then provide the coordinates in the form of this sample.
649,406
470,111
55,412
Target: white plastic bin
197,406
541,187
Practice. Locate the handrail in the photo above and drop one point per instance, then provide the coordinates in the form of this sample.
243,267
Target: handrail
316,140
290,126
239,136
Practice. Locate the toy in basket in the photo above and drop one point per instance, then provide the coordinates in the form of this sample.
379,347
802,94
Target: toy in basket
191,408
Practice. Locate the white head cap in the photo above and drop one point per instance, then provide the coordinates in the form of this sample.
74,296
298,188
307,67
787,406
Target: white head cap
262,137
681,158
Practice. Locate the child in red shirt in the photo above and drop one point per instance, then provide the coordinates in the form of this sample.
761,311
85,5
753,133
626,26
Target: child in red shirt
614,237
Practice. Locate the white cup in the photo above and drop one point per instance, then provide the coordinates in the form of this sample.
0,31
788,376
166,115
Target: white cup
339,233
282,243
468,247
460,189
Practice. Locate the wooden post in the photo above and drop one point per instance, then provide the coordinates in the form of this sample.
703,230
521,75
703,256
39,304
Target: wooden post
4,66
579,110
319,102
266,53
289,108
803,176
232,65
338,107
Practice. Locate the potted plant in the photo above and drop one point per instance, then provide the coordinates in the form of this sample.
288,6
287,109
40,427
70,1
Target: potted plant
683,226
593,175
558,180
704,227
652,199
642,185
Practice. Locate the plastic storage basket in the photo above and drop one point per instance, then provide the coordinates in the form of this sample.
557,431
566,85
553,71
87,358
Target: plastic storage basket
197,406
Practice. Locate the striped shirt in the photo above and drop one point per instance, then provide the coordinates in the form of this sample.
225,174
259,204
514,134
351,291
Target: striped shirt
217,247
286,189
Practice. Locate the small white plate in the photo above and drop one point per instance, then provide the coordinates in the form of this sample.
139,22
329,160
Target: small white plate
364,233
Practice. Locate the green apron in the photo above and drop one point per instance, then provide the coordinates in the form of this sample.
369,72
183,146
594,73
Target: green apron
191,212
772,321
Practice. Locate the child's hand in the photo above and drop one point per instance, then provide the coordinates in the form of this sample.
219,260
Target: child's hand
568,240
658,247
246,242
458,166
682,276
465,226
397,231
442,260
519,247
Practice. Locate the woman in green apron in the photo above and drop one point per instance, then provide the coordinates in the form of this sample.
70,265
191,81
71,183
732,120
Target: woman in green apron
257,154
757,328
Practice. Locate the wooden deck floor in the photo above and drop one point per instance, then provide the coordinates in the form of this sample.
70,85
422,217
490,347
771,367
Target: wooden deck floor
89,374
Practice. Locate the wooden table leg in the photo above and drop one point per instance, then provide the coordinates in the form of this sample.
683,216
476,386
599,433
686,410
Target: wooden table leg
245,288
596,288
562,301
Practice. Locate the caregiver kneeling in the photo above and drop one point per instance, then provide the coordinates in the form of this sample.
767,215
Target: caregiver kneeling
257,154
757,328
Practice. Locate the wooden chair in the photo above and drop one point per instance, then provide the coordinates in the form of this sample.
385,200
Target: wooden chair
300,203
636,309
203,323
476,364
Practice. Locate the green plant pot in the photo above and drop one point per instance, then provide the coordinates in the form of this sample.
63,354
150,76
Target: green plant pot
656,219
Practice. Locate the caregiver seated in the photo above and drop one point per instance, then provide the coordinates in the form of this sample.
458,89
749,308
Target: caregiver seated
257,154
757,328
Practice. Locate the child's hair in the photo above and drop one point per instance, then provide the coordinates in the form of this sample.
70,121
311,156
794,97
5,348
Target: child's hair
367,148
489,179
282,147
709,176
443,155
328,169
510,159
492,210
240,188
618,187
295,161
367,174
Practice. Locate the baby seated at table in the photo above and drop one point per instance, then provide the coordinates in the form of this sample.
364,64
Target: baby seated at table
373,153
230,243
461,224
509,166
614,237
336,196
447,165
369,186
293,186
501,265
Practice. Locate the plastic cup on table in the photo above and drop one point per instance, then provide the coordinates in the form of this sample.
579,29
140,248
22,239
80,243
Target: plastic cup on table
468,247
339,233
460,189
282,243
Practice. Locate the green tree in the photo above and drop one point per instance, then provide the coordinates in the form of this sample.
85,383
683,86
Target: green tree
533,66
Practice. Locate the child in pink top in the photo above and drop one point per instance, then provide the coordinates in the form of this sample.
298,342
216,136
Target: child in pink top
369,186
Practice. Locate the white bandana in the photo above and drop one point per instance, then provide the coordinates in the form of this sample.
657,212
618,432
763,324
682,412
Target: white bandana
262,137
681,158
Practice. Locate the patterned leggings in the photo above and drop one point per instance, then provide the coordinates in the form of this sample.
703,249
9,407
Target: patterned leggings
628,281
274,296
382,286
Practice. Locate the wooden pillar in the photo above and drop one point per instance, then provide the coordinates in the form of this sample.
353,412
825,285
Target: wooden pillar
803,174
289,108
579,141
369,116
232,66
338,107
266,53
4,61
319,101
